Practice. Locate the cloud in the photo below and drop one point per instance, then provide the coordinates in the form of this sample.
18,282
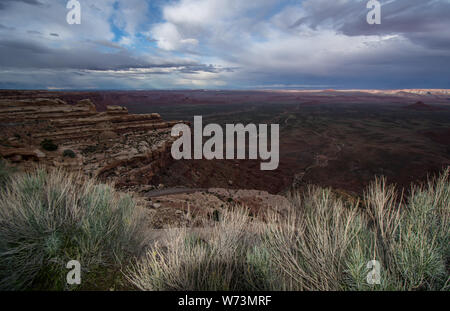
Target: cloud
168,37
3,27
4,4
226,43
318,40
420,21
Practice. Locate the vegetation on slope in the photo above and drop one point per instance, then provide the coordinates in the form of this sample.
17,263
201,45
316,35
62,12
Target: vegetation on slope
5,173
50,218
319,242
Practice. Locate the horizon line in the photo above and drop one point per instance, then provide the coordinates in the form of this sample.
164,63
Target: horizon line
223,90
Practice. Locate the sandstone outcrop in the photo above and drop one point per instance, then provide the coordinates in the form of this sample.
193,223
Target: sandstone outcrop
112,145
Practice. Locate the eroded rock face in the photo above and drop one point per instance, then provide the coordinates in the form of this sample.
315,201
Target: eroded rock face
113,145
202,208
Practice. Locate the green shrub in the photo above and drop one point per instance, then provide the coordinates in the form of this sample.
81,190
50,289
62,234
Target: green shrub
69,153
319,243
310,245
50,218
90,149
261,272
49,145
192,263
420,253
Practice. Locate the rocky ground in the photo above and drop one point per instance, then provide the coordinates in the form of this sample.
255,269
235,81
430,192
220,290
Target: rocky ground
117,147
198,208
337,139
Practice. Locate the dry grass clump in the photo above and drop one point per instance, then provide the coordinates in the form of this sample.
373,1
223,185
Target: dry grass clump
192,262
311,245
50,218
321,243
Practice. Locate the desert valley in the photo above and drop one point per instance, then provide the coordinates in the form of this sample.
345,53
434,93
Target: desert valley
337,139
228,153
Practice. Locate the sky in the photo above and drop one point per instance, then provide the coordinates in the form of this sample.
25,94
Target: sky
224,44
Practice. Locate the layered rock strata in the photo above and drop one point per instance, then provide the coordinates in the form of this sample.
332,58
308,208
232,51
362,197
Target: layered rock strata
113,145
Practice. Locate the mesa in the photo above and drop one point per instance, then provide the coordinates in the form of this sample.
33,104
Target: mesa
113,145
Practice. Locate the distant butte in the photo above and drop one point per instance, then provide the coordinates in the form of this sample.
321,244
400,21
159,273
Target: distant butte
421,106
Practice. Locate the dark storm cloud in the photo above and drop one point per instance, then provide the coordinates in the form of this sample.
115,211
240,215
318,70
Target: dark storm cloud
8,47
5,3
425,22
34,32
27,54
6,27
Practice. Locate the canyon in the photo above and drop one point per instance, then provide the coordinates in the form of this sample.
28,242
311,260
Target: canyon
329,138
113,145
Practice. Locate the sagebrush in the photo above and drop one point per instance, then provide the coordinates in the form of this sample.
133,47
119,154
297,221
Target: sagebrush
50,218
320,242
